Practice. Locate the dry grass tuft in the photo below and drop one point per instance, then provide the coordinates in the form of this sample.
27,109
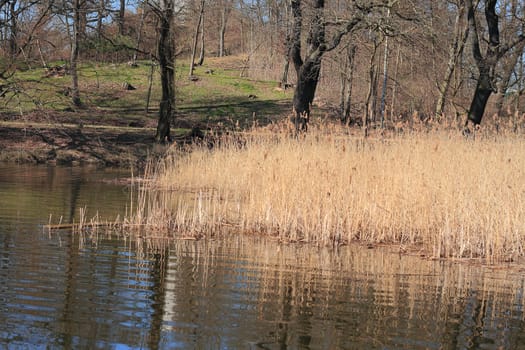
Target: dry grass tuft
447,195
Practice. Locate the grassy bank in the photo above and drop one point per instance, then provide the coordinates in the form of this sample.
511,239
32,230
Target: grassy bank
38,123
439,193
118,94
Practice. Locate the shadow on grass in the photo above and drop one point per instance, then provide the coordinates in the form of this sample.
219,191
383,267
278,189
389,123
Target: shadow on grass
240,112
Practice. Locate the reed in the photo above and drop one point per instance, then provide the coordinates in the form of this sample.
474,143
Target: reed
437,192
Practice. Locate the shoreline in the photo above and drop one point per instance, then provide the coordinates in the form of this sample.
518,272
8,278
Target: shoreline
69,144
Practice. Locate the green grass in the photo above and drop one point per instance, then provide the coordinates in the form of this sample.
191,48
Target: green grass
223,96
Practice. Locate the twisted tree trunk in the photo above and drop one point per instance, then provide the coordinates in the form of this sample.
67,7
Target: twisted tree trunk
486,64
309,68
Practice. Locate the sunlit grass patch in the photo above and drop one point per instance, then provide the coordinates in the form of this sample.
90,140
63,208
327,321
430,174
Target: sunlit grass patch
219,92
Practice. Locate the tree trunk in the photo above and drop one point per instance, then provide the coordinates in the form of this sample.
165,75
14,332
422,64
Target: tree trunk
223,21
482,93
455,52
342,91
305,92
371,94
139,37
385,81
349,83
287,47
506,75
166,54
83,19
486,65
121,14
75,92
225,12
195,39
284,76
309,69
201,55
100,17
13,42
150,85
520,79
394,87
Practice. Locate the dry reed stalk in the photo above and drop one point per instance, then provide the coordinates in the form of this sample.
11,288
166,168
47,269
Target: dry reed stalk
451,196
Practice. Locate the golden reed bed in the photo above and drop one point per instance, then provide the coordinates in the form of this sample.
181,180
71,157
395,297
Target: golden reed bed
444,194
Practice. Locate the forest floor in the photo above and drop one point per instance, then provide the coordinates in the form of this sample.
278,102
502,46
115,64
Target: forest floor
113,128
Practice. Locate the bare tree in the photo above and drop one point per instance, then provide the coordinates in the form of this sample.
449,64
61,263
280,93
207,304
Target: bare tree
371,95
455,51
288,44
225,8
121,14
165,12
201,55
196,37
347,78
14,30
308,68
75,42
486,63
139,37
512,25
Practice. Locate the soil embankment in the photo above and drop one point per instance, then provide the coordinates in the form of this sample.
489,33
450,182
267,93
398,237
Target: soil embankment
65,142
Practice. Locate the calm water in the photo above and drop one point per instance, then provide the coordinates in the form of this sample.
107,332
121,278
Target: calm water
60,292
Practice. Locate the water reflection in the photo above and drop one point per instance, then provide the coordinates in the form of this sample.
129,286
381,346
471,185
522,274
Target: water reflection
30,193
228,293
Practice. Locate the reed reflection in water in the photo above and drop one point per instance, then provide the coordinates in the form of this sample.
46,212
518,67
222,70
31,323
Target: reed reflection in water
293,296
247,293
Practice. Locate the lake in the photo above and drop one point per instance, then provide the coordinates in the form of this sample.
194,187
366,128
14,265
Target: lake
59,290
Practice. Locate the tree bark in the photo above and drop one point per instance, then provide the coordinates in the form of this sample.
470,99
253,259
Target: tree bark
150,85
514,26
394,87
121,14
100,17
288,48
166,56
348,78
75,92
455,52
139,37
371,94
308,70
506,75
385,81
201,55
342,91
196,38
521,71
13,42
487,63
225,13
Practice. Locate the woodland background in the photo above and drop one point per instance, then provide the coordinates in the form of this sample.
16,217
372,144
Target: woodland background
406,59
